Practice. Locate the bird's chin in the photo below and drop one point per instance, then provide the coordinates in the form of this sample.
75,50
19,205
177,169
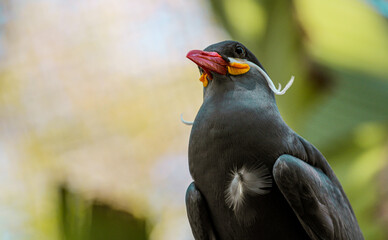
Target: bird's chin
218,77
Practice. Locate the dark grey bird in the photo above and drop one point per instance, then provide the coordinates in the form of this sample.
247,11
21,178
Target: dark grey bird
254,177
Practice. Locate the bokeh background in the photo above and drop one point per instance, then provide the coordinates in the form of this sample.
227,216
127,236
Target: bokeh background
91,92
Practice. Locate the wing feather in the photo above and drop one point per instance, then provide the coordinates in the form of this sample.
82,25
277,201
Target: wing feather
319,202
198,214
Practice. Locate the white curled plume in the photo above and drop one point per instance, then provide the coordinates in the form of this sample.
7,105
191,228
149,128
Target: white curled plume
265,75
186,122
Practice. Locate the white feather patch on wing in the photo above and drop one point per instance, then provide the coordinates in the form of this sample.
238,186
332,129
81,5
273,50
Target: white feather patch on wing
247,181
271,85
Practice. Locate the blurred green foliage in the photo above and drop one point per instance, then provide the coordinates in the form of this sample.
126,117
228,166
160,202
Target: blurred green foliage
338,52
90,220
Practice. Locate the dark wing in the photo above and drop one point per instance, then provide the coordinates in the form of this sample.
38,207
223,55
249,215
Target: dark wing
318,201
198,214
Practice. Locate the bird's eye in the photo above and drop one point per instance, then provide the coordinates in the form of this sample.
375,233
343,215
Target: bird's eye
240,51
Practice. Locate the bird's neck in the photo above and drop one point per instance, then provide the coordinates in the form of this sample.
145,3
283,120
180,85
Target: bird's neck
258,97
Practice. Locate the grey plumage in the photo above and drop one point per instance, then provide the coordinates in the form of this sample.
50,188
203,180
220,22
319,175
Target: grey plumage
239,128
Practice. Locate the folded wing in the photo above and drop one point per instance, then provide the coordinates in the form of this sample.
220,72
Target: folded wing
318,201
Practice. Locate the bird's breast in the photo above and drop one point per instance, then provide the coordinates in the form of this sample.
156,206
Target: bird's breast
232,149
231,152
229,135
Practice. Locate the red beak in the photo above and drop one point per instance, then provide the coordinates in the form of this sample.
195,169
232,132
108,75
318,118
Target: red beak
208,61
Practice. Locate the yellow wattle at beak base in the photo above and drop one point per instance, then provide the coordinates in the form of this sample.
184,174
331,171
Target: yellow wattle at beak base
203,79
235,68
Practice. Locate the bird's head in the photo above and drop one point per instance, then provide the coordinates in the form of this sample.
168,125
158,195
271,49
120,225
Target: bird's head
231,63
